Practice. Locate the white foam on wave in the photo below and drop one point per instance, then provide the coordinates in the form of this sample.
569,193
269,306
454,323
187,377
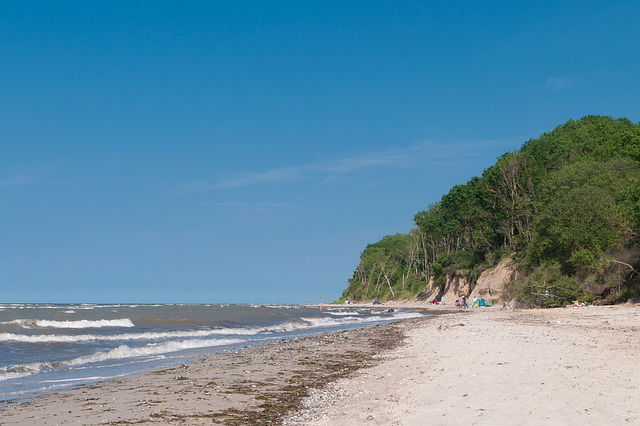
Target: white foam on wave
122,322
28,306
328,322
120,352
17,371
332,321
13,375
80,338
289,326
84,379
43,323
62,338
125,351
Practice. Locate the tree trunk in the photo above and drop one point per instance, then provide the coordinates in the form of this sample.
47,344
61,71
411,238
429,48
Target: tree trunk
389,283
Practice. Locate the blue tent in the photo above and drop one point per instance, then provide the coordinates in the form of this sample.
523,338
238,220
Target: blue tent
481,302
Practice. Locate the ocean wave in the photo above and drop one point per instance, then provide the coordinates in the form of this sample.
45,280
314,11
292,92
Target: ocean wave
13,375
17,371
43,323
125,351
343,313
84,379
288,326
120,352
29,306
332,321
80,338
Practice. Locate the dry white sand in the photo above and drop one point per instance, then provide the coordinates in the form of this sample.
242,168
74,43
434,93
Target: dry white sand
569,366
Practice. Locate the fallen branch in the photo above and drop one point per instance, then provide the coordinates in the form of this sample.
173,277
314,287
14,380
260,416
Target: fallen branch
626,264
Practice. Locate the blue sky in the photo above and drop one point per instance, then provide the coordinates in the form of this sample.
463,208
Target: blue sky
247,151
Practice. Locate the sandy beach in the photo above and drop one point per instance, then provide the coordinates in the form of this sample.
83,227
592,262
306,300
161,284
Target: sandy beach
567,366
481,366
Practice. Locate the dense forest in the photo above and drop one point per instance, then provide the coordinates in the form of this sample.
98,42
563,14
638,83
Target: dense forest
565,208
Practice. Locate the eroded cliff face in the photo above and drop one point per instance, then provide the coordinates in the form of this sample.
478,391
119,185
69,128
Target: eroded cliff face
454,287
491,283
489,286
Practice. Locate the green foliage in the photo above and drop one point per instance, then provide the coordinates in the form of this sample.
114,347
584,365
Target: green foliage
579,226
622,295
387,269
548,287
564,205
457,262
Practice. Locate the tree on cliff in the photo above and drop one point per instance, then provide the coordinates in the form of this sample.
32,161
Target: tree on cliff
566,206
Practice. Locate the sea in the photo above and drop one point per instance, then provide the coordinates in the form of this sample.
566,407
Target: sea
51,347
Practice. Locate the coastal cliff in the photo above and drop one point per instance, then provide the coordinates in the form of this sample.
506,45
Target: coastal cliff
564,208
490,285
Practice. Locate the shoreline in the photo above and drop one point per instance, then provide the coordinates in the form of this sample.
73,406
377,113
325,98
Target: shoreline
480,366
255,385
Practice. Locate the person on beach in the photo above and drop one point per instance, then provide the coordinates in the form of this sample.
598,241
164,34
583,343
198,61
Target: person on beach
464,301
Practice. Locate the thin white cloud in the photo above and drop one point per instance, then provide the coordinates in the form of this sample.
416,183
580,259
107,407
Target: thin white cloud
256,206
22,179
247,179
253,205
275,175
557,83
420,155
30,179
